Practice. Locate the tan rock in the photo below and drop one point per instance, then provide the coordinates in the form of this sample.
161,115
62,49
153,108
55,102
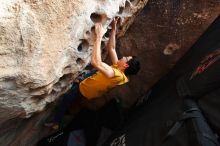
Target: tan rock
39,46
43,46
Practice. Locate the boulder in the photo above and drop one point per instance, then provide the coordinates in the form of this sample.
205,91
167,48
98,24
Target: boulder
44,45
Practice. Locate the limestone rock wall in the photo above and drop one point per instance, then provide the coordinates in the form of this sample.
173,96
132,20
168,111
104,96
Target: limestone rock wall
44,44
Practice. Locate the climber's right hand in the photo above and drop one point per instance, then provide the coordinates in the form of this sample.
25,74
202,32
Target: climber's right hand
99,30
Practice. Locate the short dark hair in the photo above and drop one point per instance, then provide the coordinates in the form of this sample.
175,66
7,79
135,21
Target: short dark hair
134,66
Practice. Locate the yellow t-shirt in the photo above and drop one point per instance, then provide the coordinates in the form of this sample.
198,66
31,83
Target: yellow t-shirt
98,84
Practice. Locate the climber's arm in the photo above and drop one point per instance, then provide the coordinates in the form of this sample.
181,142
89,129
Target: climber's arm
111,43
96,59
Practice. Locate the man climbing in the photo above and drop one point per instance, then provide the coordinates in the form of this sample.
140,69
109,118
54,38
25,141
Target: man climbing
106,77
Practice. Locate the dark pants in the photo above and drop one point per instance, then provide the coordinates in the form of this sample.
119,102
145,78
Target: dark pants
70,97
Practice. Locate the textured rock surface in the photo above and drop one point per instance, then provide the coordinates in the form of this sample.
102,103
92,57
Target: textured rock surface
44,44
39,54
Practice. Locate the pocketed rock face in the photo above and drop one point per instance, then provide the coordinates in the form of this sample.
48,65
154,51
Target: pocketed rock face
44,45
